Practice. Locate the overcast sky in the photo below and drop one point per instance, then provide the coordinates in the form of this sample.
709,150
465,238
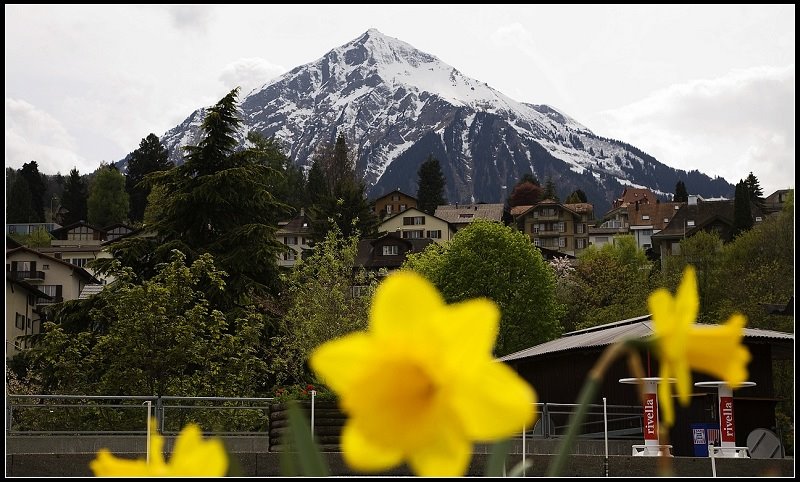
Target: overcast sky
698,87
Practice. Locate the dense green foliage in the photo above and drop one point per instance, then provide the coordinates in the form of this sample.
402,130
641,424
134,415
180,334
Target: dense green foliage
108,200
742,214
608,284
37,187
681,195
74,198
320,304
487,259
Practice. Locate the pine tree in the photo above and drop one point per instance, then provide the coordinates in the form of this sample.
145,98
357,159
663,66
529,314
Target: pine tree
74,199
108,200
316,187
19,208
577,196
754,190
742,215
151,156
37,187
550,190
681,195
431,182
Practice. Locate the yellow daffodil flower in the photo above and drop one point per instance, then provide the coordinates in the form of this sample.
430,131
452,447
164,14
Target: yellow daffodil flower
192,457
683,345
421,385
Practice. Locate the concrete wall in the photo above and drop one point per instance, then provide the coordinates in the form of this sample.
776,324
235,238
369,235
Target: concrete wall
40,456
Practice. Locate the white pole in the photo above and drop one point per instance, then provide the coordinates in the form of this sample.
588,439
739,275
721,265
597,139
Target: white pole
713,460
605,431
149,407
523,451
313,396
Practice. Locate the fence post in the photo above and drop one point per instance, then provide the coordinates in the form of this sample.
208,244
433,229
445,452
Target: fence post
313,396
160,414
545,421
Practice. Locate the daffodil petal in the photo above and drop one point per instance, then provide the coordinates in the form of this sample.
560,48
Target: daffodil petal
343,361
107,465
403,300
665,404
362,454
193,456
471,326
660,304
717,350
687,301
494,402
447,455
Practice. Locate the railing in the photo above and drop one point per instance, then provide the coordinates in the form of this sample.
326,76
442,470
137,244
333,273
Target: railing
115,415
26,275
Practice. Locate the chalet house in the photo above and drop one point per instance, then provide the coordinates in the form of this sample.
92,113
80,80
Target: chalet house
556,226
774,202
460,215
415,224
22,313
388,251
116,231
393,203
295,234
43,280
632,195
79,243
695,216
640,220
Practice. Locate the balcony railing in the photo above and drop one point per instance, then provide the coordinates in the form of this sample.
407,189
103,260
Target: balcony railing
27,275
45,301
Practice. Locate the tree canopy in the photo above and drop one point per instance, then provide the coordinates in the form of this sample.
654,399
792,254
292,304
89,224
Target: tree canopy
431,183
151,156
489,259
108,200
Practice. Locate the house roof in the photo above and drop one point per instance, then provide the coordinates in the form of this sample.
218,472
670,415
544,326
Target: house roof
31,288
635,328
576,208
452,212
580,208
298,224
67,228
406,213
90,290
702,213
117,225
366,248
657,213
396,191
520,210
79,271
632,194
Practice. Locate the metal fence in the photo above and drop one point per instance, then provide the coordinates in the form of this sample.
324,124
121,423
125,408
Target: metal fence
113,415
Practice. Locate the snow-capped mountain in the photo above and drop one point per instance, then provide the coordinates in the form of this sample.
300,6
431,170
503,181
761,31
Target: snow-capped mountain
396,105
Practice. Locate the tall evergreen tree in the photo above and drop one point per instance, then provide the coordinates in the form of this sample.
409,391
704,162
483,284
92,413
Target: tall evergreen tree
37,187
19,208
577,196
431,182
215,202
681,195
74,199
550,190
742,215
316,187
151,156
108,200
754,190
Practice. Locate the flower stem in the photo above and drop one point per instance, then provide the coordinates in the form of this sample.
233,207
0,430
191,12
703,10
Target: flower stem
586,396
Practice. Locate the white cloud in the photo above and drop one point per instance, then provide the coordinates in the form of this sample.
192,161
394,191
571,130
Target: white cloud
249,73
190,16
727,126
34,135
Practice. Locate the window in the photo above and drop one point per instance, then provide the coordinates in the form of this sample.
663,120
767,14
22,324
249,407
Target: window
290,240
414,234
388,209
81,233
45,266
580,243
536,241
690,222
57,255
666,220
437,234
80,262
580,228
562,242
413,220
395,197
466,215
601,239
290,256
758,219
20,321
390,250
645,217
402,207
561,227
